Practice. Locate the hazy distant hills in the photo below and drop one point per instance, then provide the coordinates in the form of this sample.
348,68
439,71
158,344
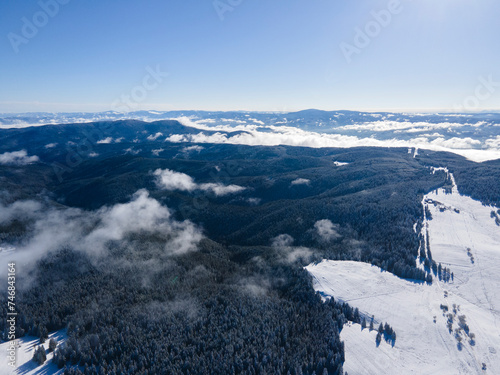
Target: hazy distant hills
308,119
36,139
474,135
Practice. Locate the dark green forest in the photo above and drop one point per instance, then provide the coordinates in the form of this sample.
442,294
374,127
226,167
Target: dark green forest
238,304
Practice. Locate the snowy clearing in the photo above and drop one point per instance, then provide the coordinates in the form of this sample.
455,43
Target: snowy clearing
465,237
25,365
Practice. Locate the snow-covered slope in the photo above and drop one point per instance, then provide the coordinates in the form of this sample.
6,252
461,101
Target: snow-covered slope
25,365
464,237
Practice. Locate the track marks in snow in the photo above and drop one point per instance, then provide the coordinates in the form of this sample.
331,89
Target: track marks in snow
424,346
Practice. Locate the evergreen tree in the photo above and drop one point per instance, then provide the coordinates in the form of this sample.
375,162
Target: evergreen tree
356,318
39,355
52,344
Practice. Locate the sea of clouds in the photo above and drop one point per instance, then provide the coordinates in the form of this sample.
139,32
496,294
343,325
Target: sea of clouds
472,136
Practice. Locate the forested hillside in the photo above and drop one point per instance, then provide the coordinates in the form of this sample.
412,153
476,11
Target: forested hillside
239,301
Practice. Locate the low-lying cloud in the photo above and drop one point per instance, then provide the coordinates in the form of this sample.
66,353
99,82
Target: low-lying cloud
301,181
93,232
170,180
193,148
19,209
387,125
155,137
271,135
110,140
17,158
326,230
457,143
157,152
132,151
289,253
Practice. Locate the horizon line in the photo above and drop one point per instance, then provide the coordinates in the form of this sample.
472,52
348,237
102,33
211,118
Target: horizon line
392,110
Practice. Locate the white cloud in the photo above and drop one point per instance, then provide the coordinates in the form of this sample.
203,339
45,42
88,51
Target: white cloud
201,124
299,253
155,137
193,148
18,209
289,254
291,136
326,230
283,240
277,135
143,214
157,151
456,143
301,181
199,138
255,287
254,201
382,126
256,121
93,232
131,150
17,158
434,135
171,180
493,142
220,189
51,145
107,140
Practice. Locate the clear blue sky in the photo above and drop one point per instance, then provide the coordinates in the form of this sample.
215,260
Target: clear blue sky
264,55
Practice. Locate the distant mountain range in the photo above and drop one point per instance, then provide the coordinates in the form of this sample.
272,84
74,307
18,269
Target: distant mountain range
473,135
310,119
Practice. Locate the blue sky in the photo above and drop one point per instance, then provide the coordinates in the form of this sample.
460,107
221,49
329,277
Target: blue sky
253,55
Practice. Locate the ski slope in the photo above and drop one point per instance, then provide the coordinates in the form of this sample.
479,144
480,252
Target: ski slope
464,237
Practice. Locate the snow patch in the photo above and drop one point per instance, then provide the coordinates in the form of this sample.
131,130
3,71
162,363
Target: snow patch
464,237
25,350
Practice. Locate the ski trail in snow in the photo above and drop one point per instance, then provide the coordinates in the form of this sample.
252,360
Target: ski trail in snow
424,344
